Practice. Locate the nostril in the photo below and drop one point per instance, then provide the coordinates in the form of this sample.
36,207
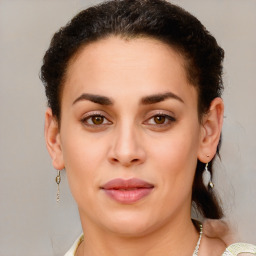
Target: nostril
115,160
126,163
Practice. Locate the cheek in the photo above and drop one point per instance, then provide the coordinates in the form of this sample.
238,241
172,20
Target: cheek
83,156
176,157
80,148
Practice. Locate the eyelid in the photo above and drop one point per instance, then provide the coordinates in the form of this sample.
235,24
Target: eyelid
160,113
94,113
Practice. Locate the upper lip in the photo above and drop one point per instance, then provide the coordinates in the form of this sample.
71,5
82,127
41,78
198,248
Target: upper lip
126,184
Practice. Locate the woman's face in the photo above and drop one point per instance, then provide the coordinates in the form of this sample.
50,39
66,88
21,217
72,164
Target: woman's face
130,135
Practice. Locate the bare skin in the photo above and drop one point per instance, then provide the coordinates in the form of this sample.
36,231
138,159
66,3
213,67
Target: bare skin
131,132
209,246
212,243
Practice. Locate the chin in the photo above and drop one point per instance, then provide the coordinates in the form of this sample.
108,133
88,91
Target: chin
130,225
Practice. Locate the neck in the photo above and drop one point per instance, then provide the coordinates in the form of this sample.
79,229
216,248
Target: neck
177,237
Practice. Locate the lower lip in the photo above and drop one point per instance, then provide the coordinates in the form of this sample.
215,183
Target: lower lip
128,196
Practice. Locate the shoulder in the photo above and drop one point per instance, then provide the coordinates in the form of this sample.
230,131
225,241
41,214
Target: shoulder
216,247
221,230
211,246
73,249
237,248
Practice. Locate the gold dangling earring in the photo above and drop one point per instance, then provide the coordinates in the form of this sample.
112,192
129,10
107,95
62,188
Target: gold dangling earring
58,180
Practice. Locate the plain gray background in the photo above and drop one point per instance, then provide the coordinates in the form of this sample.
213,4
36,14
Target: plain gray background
31,223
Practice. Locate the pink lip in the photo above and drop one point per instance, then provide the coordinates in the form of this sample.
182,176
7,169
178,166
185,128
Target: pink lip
127,191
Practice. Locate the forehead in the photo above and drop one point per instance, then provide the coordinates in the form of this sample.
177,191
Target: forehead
135,66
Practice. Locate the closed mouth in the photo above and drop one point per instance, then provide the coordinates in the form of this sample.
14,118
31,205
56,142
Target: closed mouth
127,191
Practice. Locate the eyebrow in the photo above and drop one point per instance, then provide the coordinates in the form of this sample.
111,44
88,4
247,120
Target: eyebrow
102,100
147,100
152,99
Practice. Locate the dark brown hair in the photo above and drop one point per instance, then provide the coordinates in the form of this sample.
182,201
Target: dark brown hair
156,19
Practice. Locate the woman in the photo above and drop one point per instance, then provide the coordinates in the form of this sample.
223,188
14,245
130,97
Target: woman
135,119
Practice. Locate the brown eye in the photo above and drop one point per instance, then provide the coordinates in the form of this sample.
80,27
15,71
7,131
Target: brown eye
159,119
97,120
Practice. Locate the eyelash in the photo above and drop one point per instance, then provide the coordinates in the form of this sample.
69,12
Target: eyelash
167,121
88,117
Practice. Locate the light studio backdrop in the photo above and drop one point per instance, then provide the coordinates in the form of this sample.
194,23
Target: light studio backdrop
31,222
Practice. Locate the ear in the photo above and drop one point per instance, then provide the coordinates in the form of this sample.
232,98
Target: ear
52,138
211,130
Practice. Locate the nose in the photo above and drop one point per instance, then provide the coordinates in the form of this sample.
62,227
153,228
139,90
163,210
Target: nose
127,147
